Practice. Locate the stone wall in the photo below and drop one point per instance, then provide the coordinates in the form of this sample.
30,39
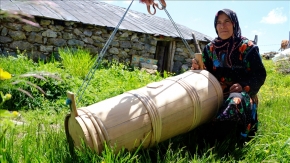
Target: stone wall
42,42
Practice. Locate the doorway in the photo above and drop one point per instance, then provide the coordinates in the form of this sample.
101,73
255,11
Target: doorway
162,55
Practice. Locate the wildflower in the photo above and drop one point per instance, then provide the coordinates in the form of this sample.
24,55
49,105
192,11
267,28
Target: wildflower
4,74
5,98
15,114
8,96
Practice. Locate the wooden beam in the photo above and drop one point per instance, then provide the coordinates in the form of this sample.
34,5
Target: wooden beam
164,39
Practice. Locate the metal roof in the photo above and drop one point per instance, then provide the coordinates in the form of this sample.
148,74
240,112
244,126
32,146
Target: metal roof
101,14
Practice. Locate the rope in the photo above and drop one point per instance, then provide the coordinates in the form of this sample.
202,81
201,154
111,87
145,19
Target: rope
174,24
194,98
154,115
98,127
91,73
93,135
216,85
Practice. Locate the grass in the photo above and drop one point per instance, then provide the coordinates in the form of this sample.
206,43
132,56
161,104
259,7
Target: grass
42,137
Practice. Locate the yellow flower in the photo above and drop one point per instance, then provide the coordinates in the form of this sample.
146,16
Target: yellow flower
15,113
4,74
8,96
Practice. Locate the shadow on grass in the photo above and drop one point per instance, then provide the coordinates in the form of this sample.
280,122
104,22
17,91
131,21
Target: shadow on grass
205,144
221,142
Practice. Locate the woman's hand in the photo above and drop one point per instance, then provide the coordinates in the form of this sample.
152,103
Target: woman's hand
194,64
236,88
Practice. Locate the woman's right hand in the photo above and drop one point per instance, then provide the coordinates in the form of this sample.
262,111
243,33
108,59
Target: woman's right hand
194,64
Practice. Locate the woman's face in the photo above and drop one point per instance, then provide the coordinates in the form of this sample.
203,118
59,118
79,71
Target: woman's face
224,26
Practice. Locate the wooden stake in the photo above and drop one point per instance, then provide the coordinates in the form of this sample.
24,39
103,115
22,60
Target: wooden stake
71,97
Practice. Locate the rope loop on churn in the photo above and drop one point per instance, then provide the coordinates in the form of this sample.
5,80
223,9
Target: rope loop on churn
194,98
154,115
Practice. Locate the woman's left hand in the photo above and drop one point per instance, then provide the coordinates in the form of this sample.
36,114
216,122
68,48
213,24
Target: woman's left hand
236,88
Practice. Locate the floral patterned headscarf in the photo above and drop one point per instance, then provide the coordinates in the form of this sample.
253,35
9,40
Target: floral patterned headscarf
228,46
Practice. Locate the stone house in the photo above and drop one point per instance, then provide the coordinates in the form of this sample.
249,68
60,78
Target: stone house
88,24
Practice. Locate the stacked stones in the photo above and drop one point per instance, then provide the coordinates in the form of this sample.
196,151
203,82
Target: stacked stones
42,42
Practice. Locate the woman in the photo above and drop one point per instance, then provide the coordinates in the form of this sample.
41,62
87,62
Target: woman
236,63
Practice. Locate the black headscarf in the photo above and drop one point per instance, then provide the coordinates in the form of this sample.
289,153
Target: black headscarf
230,45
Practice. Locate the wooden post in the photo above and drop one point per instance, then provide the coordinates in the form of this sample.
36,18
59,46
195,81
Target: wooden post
288,46
171,55
256,40
73,107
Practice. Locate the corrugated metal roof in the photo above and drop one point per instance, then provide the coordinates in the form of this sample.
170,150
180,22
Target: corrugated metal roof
101,14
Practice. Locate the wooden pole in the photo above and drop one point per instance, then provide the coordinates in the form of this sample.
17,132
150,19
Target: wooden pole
197,48
198,55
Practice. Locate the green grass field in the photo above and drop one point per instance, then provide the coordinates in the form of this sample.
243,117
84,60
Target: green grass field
41,138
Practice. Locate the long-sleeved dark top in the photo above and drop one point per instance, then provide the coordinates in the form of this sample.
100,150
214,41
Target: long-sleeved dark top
244,66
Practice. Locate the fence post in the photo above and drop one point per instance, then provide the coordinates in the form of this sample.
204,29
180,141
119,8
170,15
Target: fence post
256,40
288,46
